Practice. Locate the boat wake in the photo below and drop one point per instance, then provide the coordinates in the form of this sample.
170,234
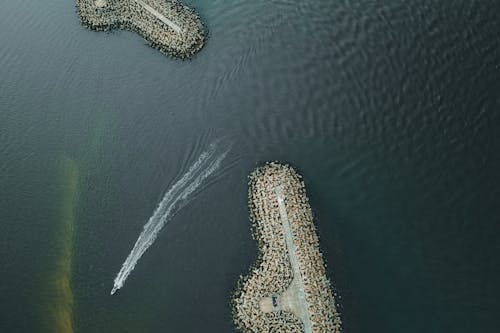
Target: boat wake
175,198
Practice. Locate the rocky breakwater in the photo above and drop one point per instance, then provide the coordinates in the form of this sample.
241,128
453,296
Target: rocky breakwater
168,25
287,290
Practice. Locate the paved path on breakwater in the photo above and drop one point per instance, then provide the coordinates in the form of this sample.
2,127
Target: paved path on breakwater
159,16
297,286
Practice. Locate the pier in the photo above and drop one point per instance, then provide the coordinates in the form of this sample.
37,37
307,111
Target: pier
167,25
287,289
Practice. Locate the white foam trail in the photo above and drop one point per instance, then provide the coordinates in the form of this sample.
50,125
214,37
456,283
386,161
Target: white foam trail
174,199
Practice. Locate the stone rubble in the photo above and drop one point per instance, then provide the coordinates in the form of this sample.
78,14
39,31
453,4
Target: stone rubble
103,15
272,274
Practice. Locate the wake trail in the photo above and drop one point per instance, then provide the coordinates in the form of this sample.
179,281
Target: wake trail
175,199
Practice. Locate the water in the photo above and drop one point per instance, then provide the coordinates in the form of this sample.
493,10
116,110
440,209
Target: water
175,198
388,108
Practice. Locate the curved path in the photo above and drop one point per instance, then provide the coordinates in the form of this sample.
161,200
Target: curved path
294,295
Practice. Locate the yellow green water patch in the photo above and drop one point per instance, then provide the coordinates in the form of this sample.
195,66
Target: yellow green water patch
60,307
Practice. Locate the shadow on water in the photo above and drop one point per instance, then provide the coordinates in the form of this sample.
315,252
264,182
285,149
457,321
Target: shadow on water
60,306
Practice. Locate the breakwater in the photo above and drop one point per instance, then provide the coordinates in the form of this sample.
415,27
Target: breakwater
287,289
167,25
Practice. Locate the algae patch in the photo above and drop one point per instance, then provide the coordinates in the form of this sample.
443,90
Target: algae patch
60,307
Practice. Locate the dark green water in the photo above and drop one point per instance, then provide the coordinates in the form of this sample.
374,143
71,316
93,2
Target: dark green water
390,109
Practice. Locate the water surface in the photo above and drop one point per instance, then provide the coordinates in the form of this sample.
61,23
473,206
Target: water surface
388,108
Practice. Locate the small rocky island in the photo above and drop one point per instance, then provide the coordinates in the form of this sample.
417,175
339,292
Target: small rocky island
167,25
287,290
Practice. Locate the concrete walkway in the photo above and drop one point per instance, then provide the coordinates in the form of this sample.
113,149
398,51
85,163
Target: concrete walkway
159,16
294,297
